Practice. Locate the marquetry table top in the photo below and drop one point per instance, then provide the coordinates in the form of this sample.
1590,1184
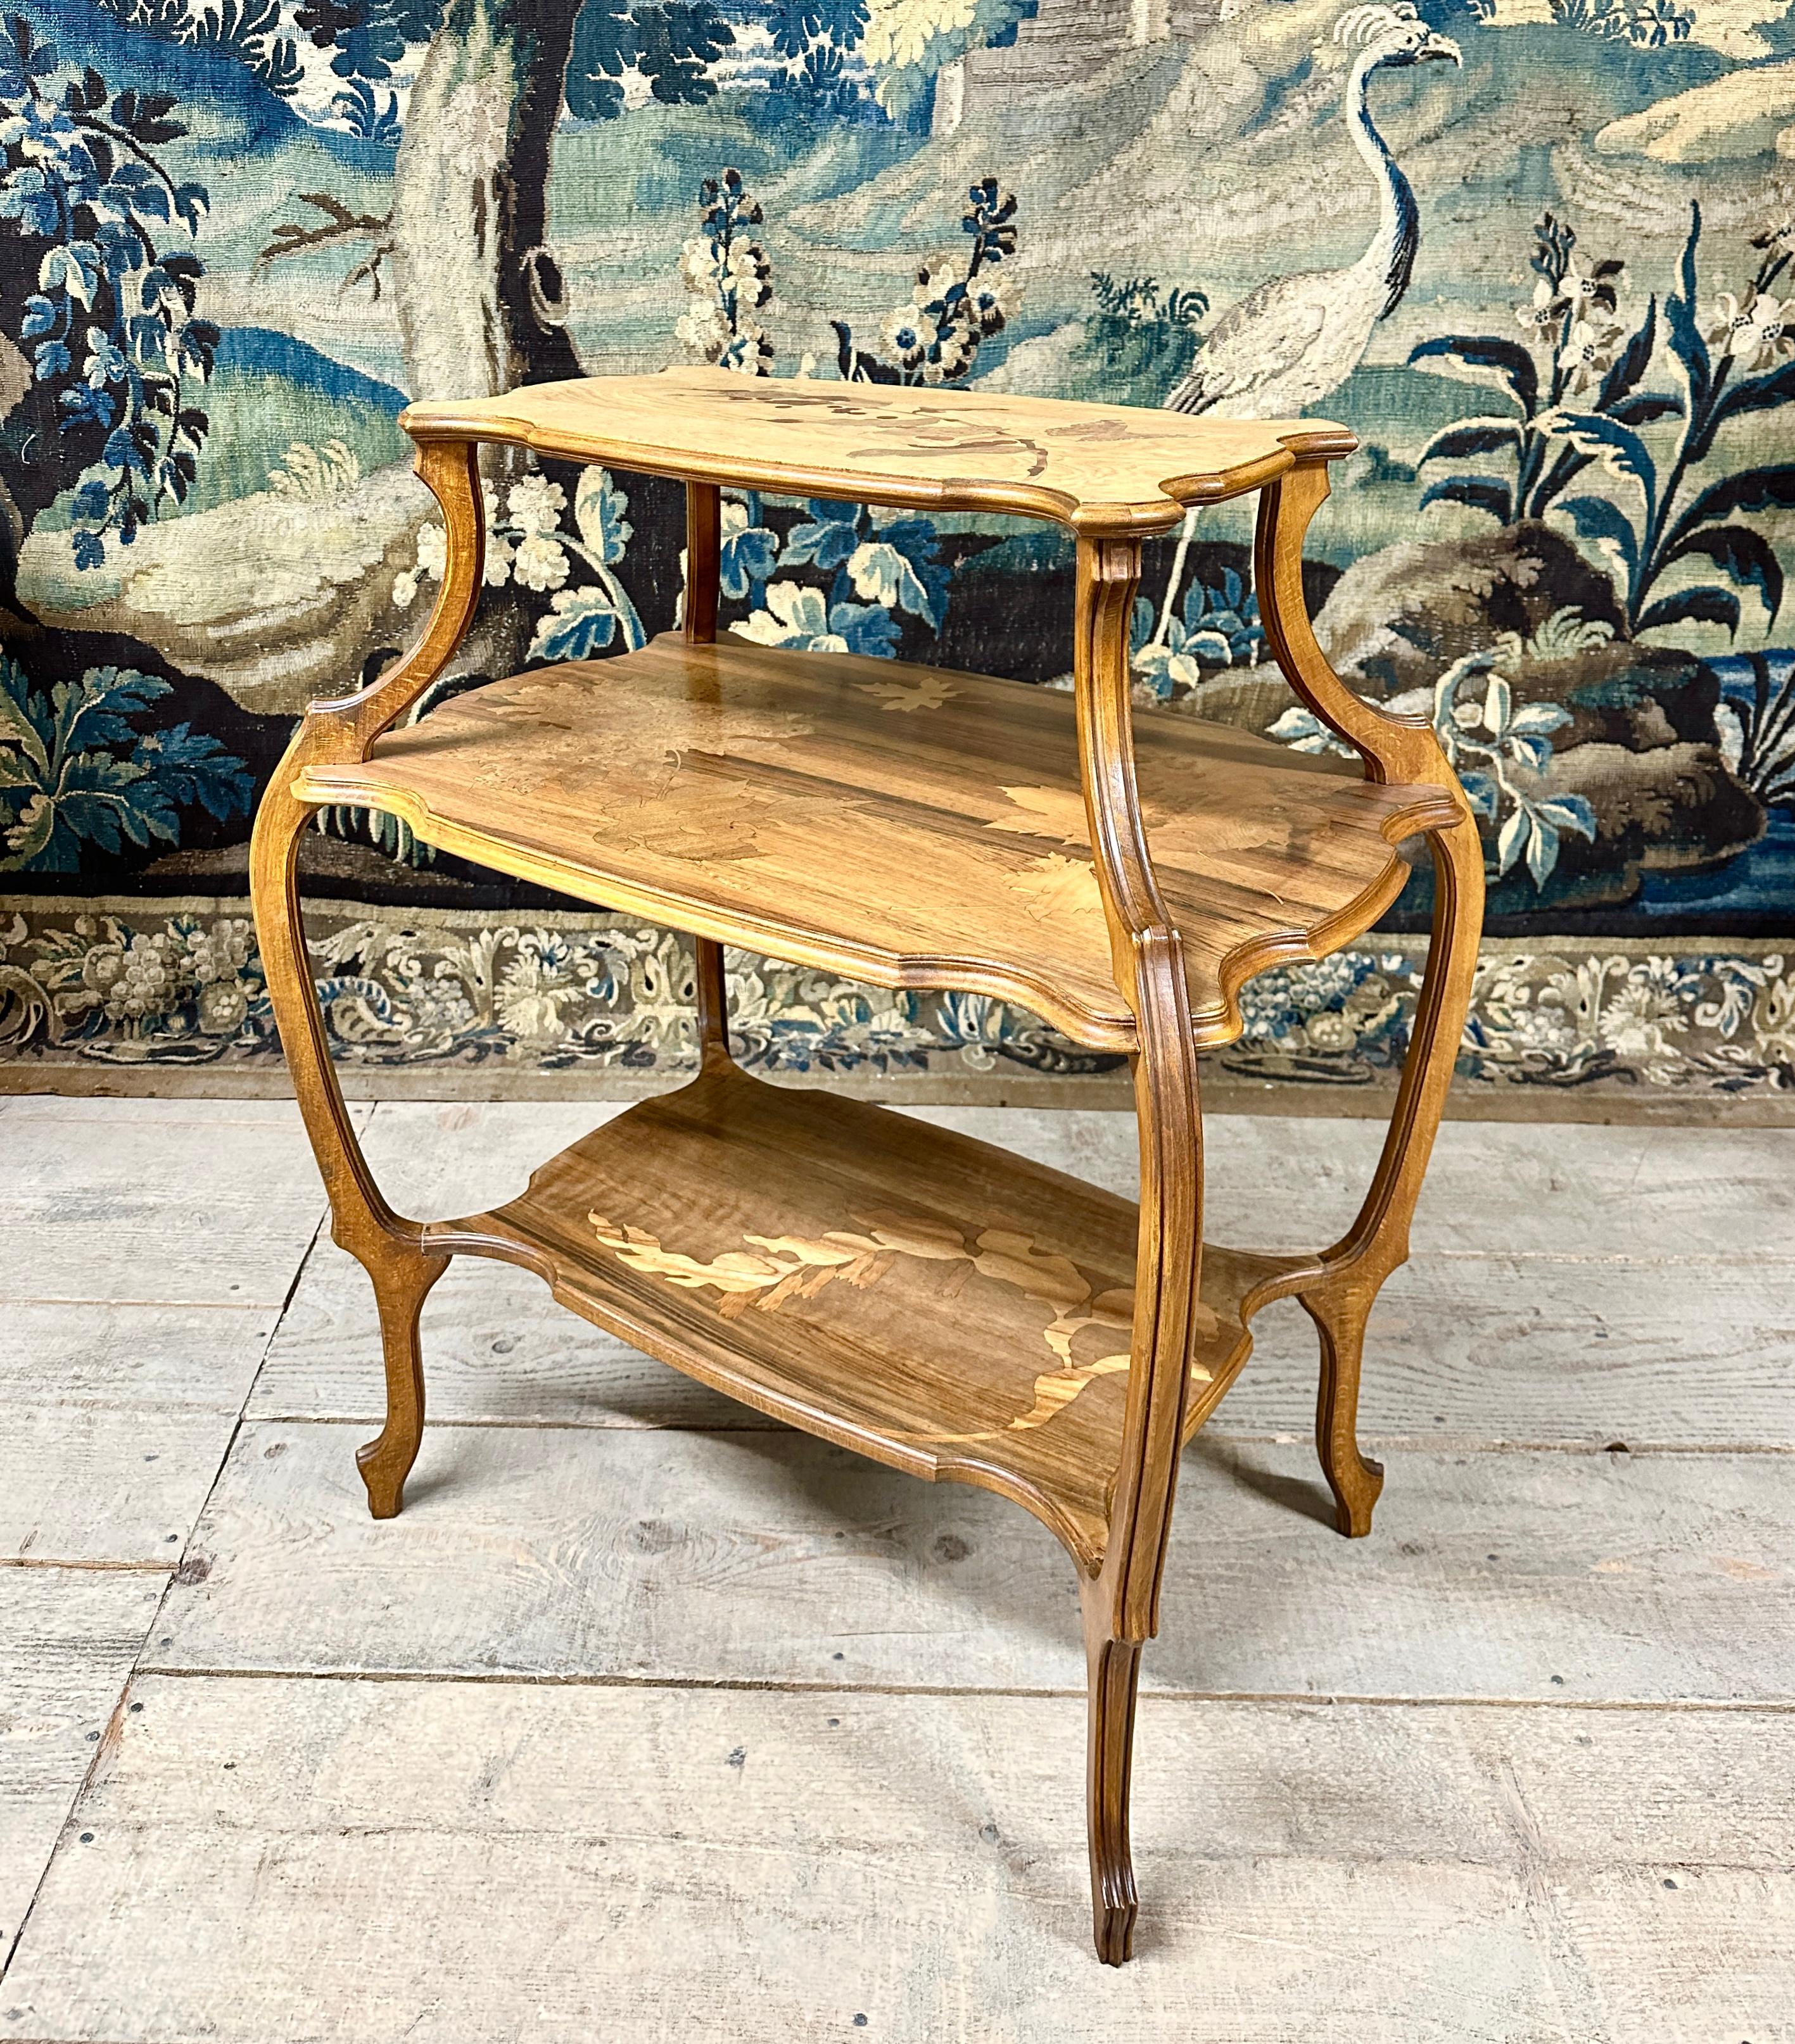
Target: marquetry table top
1100,469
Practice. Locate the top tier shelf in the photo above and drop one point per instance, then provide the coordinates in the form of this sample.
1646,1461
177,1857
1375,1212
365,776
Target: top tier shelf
1103,470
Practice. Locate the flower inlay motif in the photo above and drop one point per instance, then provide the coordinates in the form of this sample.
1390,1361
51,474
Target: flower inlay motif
774,1268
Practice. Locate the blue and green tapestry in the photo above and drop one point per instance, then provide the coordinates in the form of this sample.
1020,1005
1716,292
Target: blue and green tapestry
1540,254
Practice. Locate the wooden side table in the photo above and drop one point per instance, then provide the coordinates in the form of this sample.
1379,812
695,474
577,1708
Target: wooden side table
931,1302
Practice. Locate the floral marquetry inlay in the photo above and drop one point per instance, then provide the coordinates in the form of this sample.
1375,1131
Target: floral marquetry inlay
924,692
1054,889
773,1269
548,720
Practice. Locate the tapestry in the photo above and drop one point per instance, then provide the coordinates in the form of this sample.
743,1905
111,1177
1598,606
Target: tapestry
1538,254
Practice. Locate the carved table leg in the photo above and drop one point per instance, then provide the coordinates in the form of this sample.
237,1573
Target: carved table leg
1395,749
390,1250
704,536
1114,1673
1339,1316
1121,1603
1340,1302
402,1282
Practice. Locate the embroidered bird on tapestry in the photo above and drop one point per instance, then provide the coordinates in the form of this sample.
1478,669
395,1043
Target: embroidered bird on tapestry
1290,342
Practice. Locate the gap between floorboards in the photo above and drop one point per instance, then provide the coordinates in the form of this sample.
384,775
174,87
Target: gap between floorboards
115,1717
1396,1443
765,1685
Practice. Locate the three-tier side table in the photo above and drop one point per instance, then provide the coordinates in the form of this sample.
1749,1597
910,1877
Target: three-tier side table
929,1300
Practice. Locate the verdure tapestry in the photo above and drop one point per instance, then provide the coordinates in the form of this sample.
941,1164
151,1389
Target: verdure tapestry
1538,254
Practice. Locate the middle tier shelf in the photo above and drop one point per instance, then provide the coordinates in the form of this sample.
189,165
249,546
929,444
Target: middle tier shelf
910,826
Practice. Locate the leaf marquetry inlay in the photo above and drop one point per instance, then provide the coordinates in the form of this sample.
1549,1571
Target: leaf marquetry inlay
774,1269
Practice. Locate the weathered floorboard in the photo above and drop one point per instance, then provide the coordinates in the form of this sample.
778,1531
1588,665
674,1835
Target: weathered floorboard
213,1206
1473,1342
68,1639
1476,1351
443,1863
1509,1188
770,1557
437,1159
1462,1349
470,1863
117,1418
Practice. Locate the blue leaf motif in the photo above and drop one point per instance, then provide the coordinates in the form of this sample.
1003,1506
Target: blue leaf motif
1618,448
1542,847
599,509
1140,625
1536,719
882,575
1706,604
1476,493
576,624
831,535
1571,812
915,539
865,628
194,768
1687,342
1600,519
747,555
1483,358
1481,792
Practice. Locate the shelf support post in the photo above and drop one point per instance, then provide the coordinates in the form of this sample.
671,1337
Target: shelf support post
704,541
1121,1602
390,1249
1394,749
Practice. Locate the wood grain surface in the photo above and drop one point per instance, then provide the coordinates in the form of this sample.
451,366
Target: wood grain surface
87,1209
909,826
931,1301
604,1554
68,1639
1097,468
580,1866
116,1417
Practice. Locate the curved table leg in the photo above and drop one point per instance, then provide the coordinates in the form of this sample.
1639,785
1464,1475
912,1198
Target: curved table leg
1340,1302
1394,749
390,1250
1122,1601
1114,1671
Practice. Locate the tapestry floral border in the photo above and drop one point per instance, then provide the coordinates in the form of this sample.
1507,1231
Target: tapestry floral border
147,987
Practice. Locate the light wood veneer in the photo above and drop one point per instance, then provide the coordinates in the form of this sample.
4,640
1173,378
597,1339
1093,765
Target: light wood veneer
908,826
929,1299
1100,469
921,1297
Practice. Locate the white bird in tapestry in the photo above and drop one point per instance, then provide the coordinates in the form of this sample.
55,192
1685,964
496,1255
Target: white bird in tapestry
1290,342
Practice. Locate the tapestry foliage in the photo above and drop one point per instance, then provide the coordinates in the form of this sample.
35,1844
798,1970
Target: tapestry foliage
1541,260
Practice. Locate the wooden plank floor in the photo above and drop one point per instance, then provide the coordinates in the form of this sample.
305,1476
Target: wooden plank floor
649,1719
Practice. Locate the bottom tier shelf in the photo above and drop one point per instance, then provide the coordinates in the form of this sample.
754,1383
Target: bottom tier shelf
934,1302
